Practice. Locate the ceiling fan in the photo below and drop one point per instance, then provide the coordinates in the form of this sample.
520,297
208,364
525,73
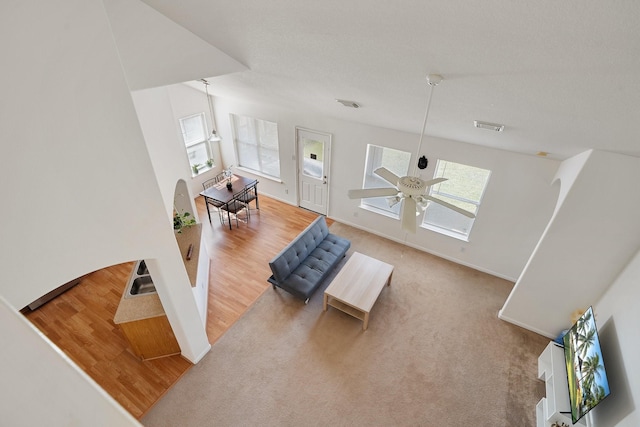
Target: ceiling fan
412,191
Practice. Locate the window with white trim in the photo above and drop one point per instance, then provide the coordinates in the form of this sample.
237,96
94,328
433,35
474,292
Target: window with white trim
396,161
194,135
256,145
464,188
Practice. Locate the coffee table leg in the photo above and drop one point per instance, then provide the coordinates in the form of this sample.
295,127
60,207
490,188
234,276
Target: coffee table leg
365,324
324,302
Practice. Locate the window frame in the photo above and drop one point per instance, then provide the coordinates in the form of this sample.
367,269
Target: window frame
436,192
261,149
373,160
197,168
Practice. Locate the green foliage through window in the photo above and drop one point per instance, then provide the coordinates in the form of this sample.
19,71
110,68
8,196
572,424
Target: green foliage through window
464,188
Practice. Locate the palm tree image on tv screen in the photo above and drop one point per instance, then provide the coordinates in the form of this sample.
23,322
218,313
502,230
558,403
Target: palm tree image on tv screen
586,375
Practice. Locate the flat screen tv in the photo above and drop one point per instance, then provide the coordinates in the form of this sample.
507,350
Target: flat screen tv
588,384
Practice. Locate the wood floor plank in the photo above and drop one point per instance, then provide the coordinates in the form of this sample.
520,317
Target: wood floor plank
80,321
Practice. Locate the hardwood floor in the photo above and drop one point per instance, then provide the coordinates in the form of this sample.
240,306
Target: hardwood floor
240,257
80,321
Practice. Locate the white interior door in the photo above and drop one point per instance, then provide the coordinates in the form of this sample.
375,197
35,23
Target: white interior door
314,153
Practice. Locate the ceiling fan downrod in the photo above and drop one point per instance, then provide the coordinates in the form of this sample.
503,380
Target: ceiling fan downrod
433,80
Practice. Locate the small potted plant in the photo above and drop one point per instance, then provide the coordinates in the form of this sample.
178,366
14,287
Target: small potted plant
210,163
196,168
227,174
181,220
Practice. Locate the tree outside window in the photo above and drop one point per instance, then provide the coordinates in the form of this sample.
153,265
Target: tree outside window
464,188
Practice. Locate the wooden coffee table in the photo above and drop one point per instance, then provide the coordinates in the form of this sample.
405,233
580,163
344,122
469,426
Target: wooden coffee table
357,286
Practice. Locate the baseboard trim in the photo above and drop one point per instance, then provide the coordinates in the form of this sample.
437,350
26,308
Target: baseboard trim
199,357
524,325
438,254
288,202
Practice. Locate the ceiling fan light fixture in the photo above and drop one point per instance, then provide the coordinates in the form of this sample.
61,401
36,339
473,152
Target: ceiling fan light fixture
421,203
393,200
488,126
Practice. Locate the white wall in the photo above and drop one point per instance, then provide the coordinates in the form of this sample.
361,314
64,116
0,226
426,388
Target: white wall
87,198
618,317
186,101
42,387
156,52
78,188
593,234
170,161
159,110
517,205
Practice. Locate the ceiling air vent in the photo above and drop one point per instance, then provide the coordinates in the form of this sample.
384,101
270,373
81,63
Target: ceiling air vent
488,126
350,104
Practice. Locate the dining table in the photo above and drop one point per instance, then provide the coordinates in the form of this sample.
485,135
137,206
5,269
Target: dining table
224,196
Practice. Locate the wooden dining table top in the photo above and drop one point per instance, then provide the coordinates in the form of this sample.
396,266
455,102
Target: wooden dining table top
220,192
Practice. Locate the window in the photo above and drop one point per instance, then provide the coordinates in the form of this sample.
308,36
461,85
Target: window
256,143
464,188
397,162
194,134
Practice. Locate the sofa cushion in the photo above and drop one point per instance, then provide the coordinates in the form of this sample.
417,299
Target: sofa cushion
304,263
335,245
283,264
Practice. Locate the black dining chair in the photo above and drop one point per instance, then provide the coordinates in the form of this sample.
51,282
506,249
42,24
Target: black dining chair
212,202
220,177
235,207
249,195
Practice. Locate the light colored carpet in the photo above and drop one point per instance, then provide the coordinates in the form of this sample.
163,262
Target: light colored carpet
435,354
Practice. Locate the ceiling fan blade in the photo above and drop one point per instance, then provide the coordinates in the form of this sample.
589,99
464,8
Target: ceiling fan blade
408,222
435,181
450,206
372,192
387,175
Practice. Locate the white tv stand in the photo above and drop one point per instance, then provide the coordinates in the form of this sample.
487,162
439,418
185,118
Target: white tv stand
554,408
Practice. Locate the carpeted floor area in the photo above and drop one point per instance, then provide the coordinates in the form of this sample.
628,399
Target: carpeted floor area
435,354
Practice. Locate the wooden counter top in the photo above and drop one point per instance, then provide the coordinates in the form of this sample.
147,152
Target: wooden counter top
138,307
147,306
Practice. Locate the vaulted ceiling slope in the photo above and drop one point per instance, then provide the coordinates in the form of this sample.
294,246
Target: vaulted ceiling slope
560,76
154,51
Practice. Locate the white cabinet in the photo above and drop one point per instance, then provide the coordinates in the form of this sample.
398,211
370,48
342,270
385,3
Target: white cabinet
554,408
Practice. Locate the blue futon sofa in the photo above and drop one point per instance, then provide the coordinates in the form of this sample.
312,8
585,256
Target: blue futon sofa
301,267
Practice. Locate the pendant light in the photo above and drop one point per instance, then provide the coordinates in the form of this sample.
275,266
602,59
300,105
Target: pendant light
214,136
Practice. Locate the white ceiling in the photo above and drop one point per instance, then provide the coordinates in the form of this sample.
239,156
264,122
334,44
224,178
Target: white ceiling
560,75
